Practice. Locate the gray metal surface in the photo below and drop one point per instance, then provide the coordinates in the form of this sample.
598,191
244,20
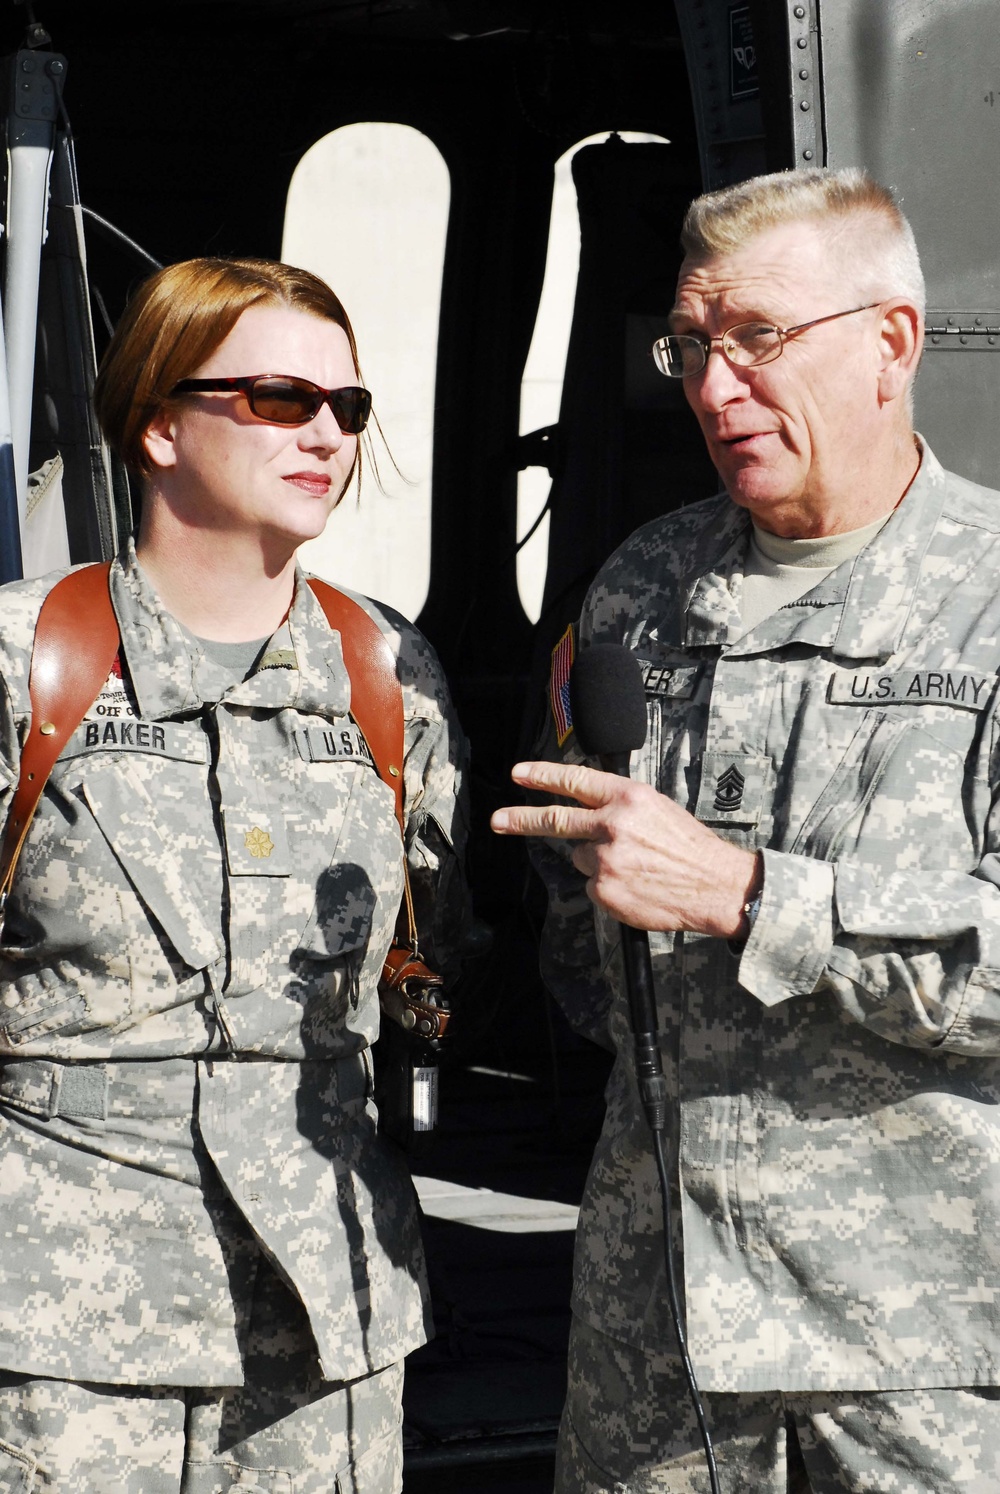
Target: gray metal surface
721,55
912,92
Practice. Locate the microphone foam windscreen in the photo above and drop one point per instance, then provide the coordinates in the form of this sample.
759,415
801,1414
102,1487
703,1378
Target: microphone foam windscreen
608,700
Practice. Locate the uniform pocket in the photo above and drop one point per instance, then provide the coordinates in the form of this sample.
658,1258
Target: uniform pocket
363,877
378,1470
40,1004
904,780
850,787
149,848
17,1470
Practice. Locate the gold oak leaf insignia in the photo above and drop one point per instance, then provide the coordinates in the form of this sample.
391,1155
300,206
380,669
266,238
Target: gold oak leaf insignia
258,842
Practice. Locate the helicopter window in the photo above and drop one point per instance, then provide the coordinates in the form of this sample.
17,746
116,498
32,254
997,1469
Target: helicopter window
367,210
541,383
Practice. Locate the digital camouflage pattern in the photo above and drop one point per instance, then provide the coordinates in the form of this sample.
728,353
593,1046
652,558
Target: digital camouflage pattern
284,1431
629,1428
197,930
837,1080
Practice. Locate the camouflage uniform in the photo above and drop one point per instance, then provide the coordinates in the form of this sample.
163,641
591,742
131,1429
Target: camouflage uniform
836,1081
213,875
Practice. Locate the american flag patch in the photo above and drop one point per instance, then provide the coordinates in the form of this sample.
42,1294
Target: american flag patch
562,663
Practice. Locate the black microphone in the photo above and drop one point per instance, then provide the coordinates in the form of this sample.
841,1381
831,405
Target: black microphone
608,706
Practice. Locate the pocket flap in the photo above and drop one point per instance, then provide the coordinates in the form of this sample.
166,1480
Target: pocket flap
127,816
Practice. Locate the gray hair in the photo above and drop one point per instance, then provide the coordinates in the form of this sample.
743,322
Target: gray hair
876,247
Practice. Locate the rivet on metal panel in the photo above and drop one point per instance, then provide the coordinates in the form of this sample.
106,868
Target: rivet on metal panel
991,340
807,155
804,104
963,338
799,12
935,339
803,73
802,43
979,321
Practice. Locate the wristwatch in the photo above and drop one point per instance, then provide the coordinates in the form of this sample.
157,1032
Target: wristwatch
750,911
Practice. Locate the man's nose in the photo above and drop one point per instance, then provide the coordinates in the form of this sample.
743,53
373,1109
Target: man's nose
718,384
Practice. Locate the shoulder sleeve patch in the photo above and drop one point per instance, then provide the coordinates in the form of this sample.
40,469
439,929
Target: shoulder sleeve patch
562,662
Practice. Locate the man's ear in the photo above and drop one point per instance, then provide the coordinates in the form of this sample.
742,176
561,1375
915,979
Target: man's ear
901,341
158,440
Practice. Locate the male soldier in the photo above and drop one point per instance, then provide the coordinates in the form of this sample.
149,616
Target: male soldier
811,837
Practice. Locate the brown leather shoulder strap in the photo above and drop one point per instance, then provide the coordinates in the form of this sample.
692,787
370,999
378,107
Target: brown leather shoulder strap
376,694
76,640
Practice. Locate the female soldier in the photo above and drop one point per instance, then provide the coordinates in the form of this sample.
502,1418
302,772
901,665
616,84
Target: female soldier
211,1263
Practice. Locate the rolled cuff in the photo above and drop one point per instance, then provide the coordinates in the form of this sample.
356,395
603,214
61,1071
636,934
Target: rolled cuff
791,939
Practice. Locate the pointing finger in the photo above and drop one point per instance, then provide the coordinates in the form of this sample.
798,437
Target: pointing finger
561,821
586,785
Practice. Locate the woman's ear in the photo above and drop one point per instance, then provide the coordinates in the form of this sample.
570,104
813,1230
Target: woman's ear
158,440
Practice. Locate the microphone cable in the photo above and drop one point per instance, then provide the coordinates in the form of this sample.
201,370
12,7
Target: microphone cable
608,704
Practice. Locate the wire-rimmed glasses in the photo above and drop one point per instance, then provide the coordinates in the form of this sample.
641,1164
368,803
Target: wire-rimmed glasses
747,345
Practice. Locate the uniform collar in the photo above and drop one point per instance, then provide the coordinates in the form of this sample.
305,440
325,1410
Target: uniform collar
883,578
859,611
712,615
302,666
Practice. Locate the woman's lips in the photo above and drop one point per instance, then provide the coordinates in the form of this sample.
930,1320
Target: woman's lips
317,484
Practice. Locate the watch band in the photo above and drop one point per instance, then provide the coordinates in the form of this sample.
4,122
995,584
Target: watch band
750,911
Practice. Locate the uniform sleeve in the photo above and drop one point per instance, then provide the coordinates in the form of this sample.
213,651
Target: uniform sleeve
912,955
435,777
10,750
19,604
570,957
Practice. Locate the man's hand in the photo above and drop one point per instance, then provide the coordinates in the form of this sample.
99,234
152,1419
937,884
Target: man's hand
647,861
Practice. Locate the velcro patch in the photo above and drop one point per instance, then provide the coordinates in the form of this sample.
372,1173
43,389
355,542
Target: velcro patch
113,700
279,658
127,734
333,744
670,681
734,788
562,665
256,844
951,687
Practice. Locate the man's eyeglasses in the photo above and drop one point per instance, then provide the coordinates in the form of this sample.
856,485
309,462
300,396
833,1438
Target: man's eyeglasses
284,399
681,354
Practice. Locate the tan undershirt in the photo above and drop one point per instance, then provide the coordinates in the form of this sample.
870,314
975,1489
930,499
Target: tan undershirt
779,571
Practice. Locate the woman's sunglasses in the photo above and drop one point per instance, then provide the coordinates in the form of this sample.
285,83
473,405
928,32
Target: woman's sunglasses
284,399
